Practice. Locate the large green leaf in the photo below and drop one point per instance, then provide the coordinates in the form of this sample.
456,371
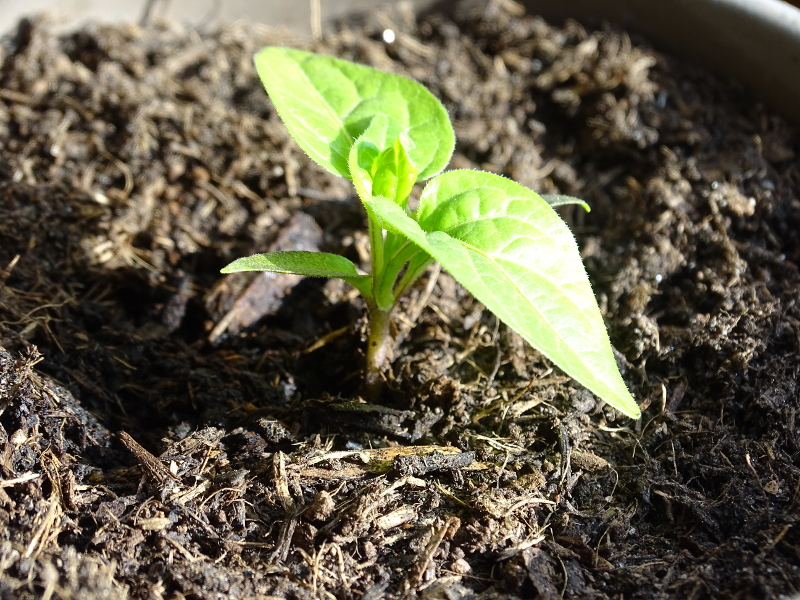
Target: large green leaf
510,249
327,103
301,262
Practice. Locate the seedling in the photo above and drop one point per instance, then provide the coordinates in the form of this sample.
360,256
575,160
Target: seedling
500,240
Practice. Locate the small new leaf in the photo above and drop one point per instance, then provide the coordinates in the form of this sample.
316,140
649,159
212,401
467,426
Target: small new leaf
364,153
393,174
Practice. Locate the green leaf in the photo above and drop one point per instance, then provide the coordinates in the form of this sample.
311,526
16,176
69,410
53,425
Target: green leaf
327,103
393,174
388,256
555,200
507,246
364,152
300,262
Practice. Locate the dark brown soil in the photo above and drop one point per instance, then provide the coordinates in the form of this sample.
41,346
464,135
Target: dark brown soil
169,432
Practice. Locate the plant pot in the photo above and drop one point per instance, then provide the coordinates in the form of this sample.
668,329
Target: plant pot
756,42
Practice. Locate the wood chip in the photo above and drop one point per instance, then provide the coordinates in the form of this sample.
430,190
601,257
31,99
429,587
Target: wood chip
282,482
154,467
588,461
154,524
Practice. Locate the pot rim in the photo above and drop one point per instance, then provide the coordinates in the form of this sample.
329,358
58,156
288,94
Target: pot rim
757,42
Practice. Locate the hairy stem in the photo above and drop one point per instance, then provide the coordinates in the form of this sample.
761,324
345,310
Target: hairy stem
384,292
377,349
416,267
376,247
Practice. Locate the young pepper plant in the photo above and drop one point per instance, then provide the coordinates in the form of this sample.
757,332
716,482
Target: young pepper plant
500,240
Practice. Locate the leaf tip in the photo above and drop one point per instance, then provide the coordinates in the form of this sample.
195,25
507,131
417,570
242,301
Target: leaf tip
233,267
628,406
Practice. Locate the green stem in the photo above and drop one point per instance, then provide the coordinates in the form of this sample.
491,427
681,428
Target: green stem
393,243
376,248
385,295
377,349
416,268
380,340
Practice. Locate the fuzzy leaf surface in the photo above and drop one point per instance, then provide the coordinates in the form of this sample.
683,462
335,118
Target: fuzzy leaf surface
300,262
327,103
555,200
508,247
